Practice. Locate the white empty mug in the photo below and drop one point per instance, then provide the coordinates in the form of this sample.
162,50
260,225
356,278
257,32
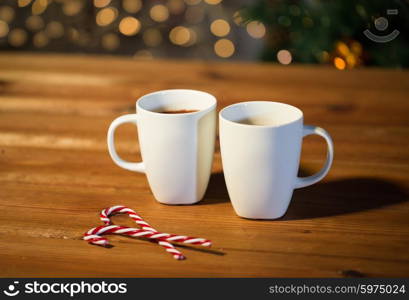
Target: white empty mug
260,144
176,148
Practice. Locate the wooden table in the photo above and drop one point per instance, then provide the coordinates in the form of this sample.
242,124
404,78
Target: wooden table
56,174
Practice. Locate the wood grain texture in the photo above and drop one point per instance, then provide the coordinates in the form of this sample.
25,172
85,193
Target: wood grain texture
56,174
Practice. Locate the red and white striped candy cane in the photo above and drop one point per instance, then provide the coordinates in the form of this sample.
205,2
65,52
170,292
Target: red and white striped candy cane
93,236
109,228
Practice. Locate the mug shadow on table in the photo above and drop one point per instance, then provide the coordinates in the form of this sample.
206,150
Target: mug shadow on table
324,199
343,196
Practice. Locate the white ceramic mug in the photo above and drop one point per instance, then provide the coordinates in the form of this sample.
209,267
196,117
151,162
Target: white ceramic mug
260,144
177,149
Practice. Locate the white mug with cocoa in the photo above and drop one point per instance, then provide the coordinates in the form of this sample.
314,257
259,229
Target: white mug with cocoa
177,132
260,144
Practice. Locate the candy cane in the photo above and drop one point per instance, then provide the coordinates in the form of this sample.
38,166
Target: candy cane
93,235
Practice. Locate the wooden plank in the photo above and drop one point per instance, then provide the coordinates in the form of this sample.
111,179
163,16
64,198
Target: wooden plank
55,173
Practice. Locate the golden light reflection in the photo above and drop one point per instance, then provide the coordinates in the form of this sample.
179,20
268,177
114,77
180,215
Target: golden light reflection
39,6
129,26
34,23
256,29
106,16
6,13
152,37
159,13
180,36
101,3
54,30
40,40
110,41
220,27
224,48
176,6
284,57
17,37
339,63
132,6
4,29
213,2
23,3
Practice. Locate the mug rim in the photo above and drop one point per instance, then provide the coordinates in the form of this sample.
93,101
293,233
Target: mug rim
200,111
294,108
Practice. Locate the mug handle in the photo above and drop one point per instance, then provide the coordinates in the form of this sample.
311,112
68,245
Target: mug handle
309,180
132,166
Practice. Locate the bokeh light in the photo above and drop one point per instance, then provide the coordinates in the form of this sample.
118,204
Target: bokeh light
17,37
6,13
324,56
106,16
110,41
192,2
307,22
339,63
54,30
159,13
175,6
181,36
34,23
284,57
193,37
129,26
23,3
83,38
159,24
356,48
73,34
4,29
256,29
101,3
213,2
220,27
342,48
237,19
152,37
224,48
132,6
72,7
39,6
351,61
40,40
